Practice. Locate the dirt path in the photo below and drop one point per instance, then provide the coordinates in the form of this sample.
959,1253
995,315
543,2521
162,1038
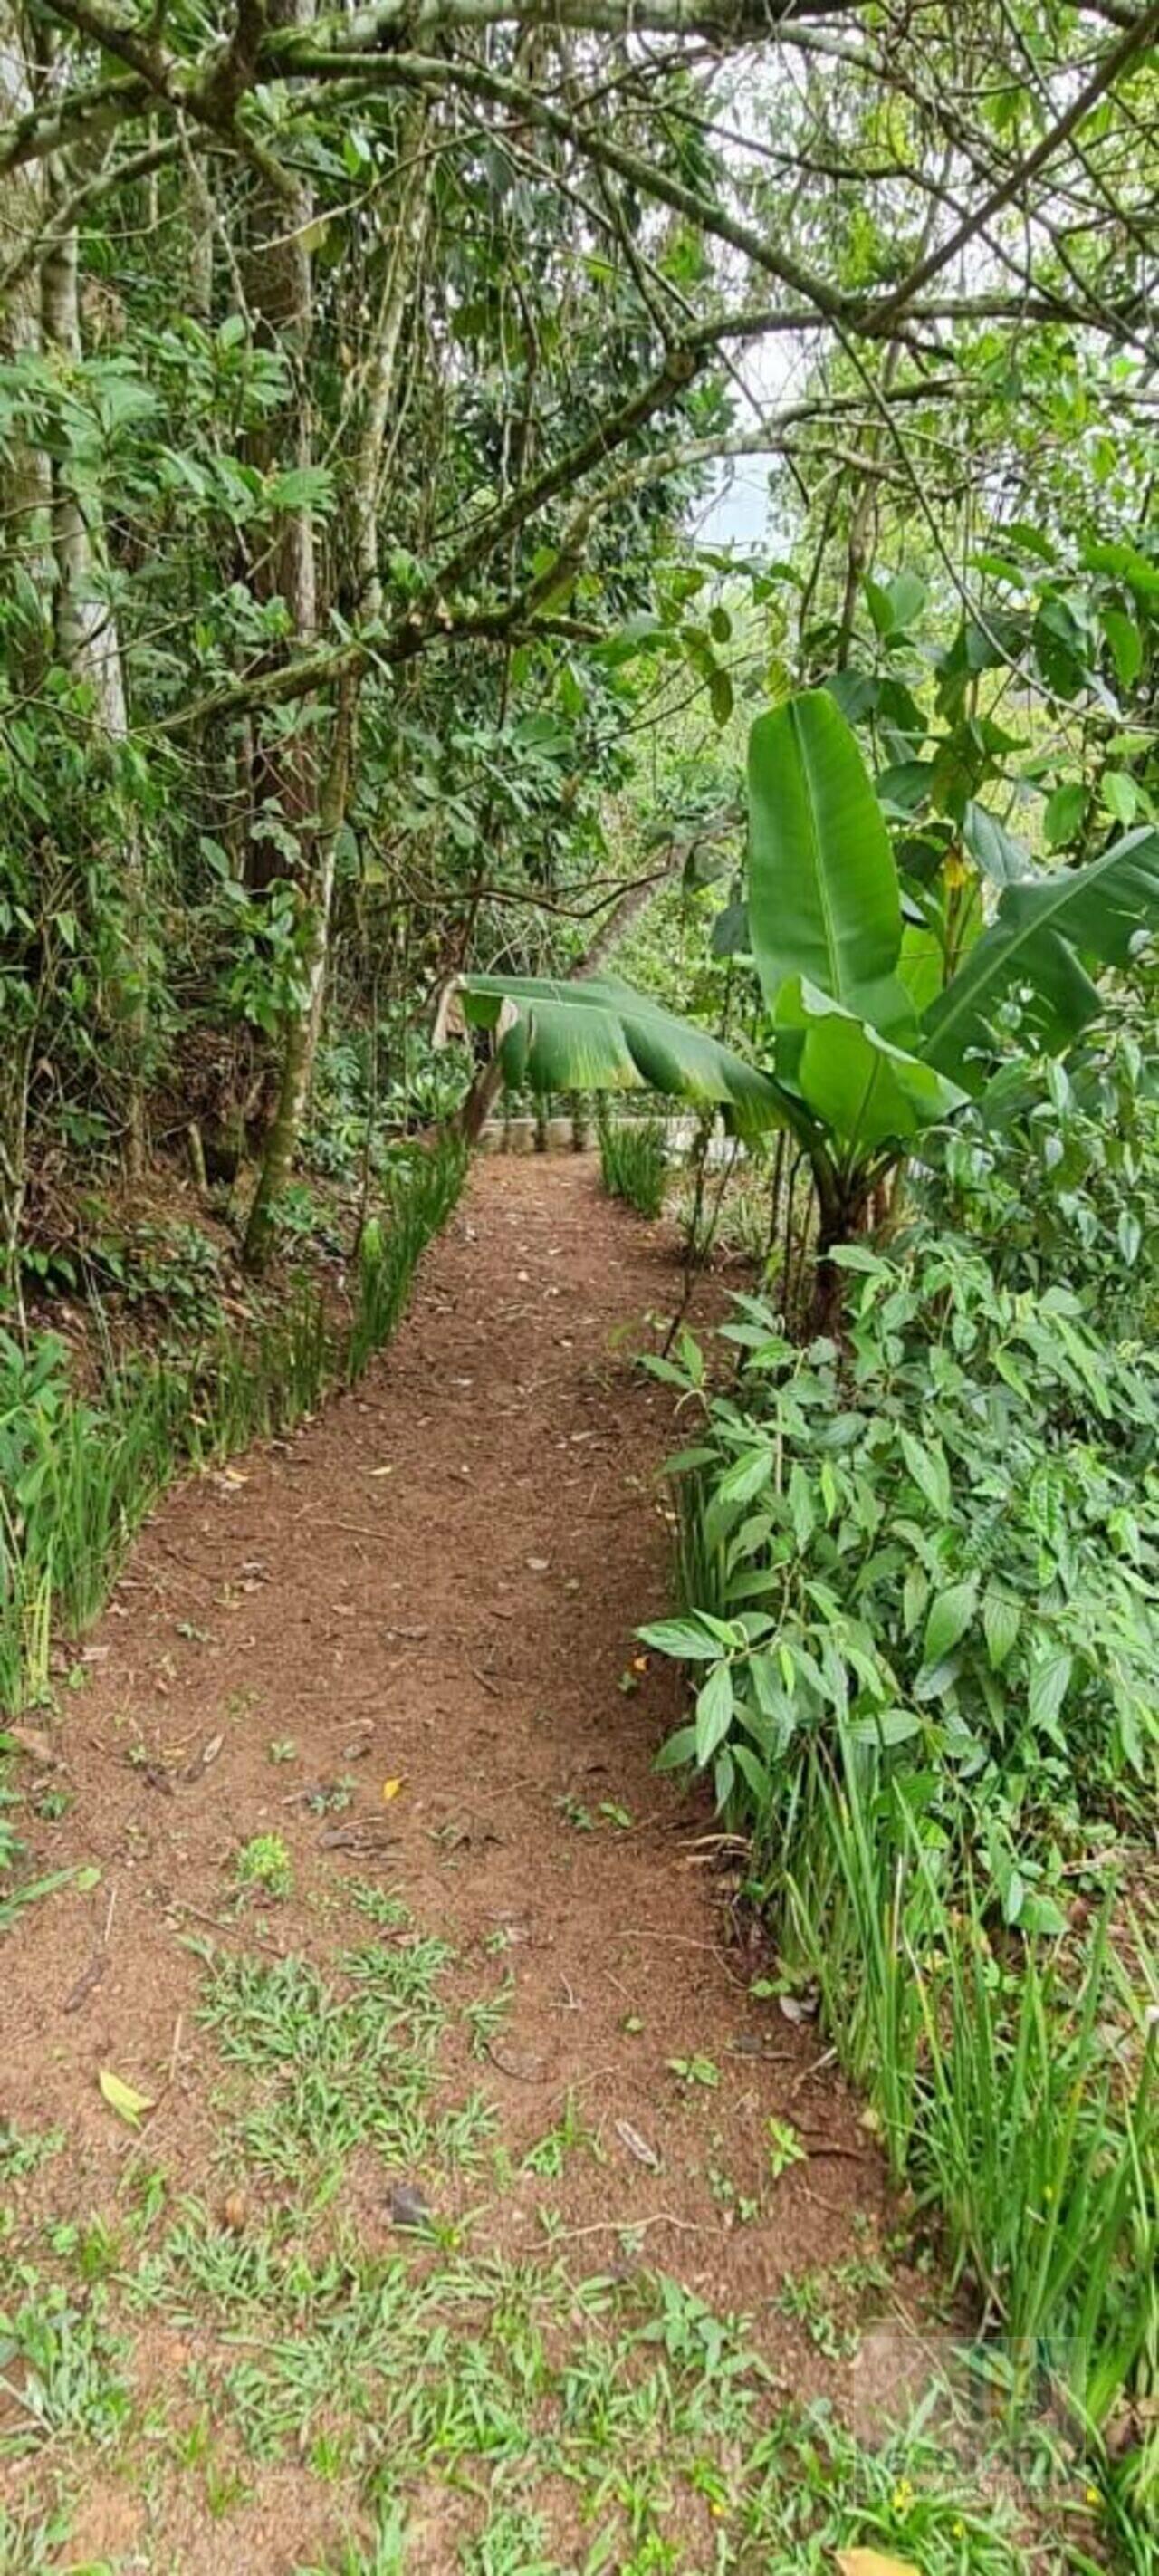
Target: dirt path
436,1584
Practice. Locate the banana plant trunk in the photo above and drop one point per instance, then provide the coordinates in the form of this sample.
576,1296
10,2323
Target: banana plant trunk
843,1203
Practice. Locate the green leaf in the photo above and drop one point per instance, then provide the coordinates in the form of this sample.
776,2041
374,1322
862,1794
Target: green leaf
823,893
926,1462
1119,792
720,695
1001,1620
950,1615
1126,644
123,2098
603,1036
301,487
680,1637
676,1749
992,848
1101,907
1063,813
1049,1683
746,1476
714,1712
801,1506
892,1726
868,1091
907,597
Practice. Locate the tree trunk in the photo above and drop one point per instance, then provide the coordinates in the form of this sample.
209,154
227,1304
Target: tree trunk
298,1047
842,1206
279,290
318,853
88,645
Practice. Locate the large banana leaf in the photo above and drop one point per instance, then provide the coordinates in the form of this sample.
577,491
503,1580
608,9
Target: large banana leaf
823,890
602,1035
866,1091
1099,910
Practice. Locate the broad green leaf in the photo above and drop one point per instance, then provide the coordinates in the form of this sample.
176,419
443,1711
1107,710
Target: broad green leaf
681,1637
1119,792
1063,813
746,1476
714,1710
1049,1684
891,1726
907,594
865,1089
676,1749
1001,1620
950,1614
926,1461
801,1506
995,850
1101,908
1126,644
603,1036
823,893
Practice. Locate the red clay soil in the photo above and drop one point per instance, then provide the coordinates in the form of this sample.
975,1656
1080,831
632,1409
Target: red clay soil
437,1582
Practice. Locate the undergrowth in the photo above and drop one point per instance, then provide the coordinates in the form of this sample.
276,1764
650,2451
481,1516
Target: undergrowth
78,1476
917,1576
634,1162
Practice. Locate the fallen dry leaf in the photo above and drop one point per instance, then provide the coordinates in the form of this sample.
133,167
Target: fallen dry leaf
390,1789
637,2146
874,2562
124,2098
37,1746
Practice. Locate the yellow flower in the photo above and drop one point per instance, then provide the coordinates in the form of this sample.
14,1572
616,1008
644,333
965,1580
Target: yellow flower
902,2498
1094,2496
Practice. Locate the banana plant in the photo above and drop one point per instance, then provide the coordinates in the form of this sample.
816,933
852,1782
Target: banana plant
859,1059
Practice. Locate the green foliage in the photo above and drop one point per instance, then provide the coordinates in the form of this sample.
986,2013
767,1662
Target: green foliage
634,1162
1058,1175
852,1069
823,893
264,1863
947,1541
420,1193
79,1477
602,1036
918,1575
1004,2090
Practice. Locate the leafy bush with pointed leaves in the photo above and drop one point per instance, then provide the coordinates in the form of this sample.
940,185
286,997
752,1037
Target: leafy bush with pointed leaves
948,1546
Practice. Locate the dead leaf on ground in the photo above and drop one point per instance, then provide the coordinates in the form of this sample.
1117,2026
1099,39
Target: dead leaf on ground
874,2562
637,2146
88,1978
36,1746
390,1789
124,2098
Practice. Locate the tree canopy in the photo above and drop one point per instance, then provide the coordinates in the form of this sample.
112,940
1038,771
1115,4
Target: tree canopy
363,376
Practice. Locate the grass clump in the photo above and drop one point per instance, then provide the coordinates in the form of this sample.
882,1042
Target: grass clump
634,1162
